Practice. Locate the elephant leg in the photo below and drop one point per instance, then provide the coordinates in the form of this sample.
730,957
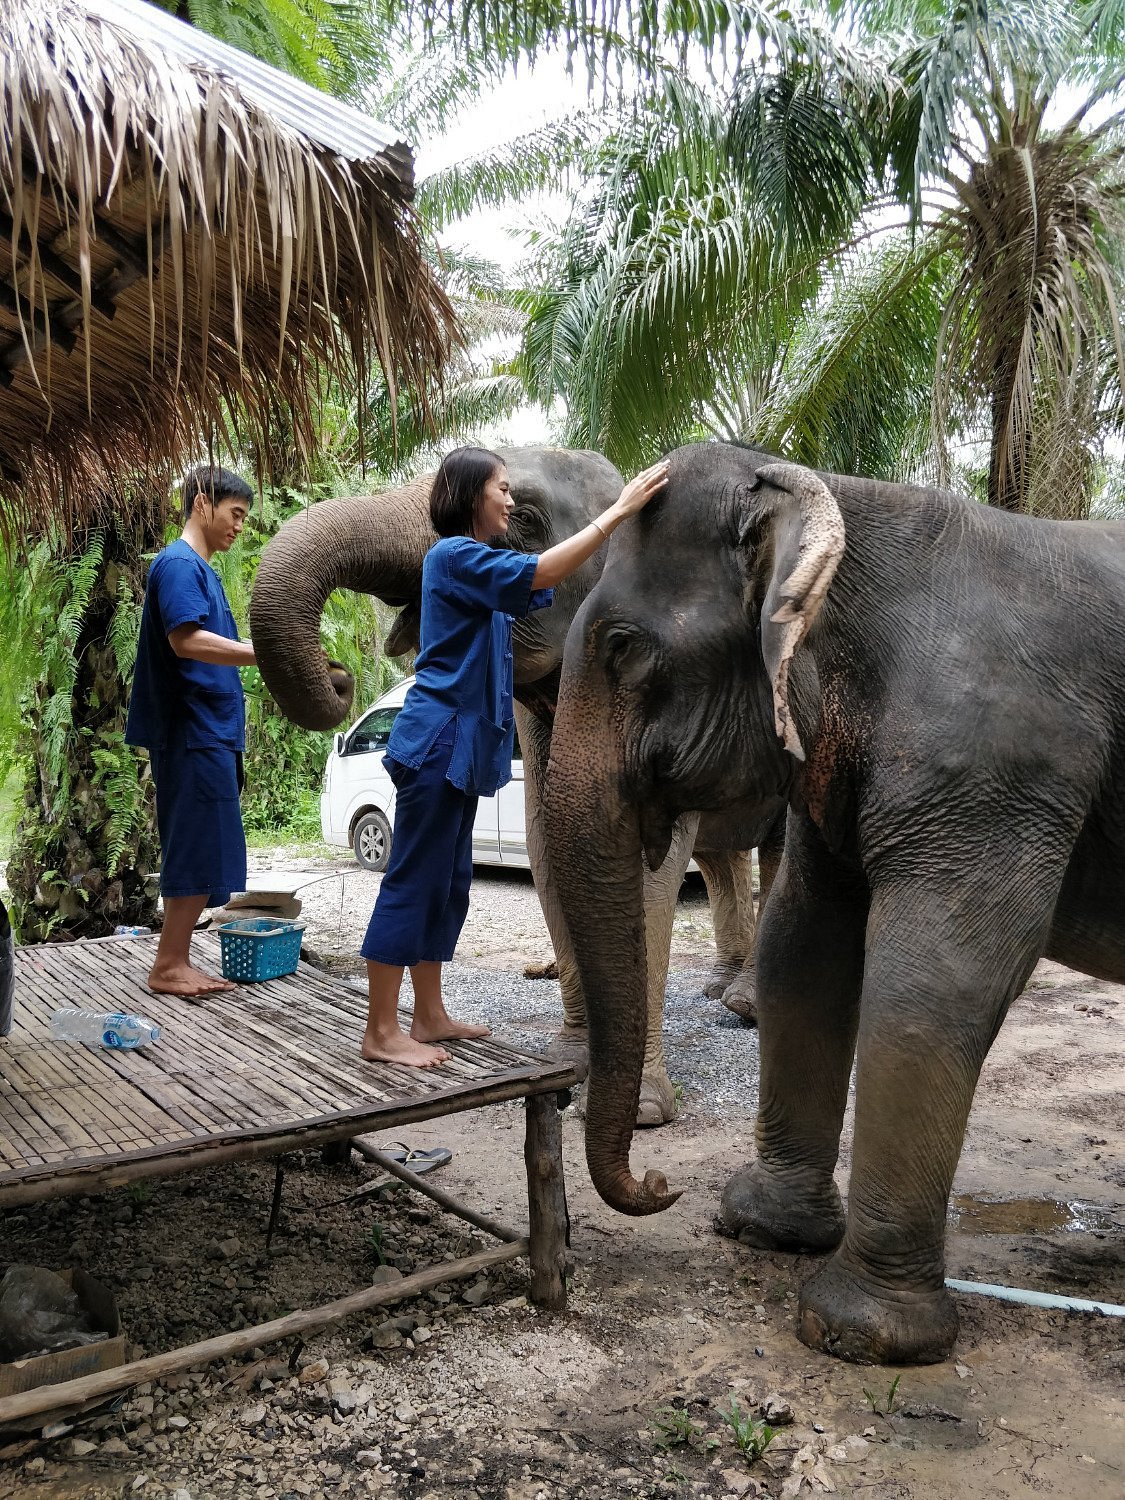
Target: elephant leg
942,967
808,1013
770,850
727,875
661,888
570,1044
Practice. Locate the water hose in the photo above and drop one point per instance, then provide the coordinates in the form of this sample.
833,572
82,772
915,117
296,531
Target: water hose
1037,1299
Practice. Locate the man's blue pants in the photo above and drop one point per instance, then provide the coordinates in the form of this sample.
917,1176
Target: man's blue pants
424,898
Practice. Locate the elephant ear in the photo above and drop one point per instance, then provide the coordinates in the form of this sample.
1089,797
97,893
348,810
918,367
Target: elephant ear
808,543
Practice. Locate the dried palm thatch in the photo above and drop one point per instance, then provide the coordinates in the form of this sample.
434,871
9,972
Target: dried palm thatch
187,238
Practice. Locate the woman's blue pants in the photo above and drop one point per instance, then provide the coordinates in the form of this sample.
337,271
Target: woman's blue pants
424,898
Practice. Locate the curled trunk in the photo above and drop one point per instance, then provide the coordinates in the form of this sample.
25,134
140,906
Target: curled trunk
595,848
372,545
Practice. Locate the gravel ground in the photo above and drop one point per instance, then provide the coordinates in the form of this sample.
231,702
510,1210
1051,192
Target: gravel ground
711,1055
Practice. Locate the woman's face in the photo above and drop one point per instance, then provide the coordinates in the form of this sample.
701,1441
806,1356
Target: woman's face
494,508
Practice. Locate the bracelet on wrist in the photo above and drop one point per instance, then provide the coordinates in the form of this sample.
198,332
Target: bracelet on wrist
597,525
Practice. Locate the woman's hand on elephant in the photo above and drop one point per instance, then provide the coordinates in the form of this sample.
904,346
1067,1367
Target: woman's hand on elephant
561,560
639,491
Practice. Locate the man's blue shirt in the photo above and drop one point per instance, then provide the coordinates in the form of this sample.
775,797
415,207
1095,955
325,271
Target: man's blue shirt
198,703
471,594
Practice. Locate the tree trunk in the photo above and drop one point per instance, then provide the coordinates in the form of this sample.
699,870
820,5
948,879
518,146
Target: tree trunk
86,851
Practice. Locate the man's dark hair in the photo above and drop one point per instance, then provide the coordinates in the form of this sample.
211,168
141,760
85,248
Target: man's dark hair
457,488
215,484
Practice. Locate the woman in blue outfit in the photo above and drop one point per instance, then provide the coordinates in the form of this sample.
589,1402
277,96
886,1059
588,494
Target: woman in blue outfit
452,741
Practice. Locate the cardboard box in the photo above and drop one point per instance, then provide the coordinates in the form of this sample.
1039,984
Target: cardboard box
86,1359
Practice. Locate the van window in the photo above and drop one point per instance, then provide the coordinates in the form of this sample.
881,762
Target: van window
371,733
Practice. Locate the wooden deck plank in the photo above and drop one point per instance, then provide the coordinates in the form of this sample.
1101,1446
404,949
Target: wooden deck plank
276,1062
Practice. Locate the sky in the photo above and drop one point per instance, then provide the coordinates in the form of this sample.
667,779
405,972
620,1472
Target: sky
534,96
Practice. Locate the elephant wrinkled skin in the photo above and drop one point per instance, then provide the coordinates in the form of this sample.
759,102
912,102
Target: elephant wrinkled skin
937,691
376,545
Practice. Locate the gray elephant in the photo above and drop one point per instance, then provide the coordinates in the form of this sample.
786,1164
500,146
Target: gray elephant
936,689
376,545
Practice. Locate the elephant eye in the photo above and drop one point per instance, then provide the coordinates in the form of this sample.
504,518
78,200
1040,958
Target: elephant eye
629,655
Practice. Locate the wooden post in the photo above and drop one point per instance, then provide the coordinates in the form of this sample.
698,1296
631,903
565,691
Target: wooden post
549,1230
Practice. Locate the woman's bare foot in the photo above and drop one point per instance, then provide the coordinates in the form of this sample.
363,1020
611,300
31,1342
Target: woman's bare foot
444,1028
186,982
396,1047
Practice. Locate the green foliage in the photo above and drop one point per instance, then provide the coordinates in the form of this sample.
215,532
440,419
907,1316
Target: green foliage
85,843
674,1428
751,1437
888,1405
376,1236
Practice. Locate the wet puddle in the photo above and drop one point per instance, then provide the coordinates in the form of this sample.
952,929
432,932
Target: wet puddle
1030,1216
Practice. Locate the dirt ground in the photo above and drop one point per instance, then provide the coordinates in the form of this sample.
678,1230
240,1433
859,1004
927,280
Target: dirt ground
471,1393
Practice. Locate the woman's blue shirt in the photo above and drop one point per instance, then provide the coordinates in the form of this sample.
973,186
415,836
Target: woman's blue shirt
471,596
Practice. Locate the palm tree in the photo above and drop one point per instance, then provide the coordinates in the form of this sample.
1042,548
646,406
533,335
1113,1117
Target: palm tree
1017,220
700,290
1032,214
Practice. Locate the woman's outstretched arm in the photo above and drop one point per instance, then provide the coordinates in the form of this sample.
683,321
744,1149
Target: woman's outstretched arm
560,561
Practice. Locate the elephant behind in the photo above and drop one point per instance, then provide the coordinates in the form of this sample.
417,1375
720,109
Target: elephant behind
376,545
937,691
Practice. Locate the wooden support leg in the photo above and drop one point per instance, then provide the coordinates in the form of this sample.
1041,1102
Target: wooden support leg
549,1231
275,1206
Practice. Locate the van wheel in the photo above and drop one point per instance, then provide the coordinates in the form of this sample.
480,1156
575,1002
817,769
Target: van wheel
371,840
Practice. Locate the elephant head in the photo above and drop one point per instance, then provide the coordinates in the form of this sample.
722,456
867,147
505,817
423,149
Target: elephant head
376,545
684,688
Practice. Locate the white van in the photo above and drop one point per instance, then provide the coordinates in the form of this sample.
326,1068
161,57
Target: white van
357,799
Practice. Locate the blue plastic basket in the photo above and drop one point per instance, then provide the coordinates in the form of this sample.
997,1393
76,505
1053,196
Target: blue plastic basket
260,948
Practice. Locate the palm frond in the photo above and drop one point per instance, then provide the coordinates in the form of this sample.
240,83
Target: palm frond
540,160
852,392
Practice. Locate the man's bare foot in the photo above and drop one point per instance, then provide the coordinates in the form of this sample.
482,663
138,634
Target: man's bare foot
186,982
446,1029
397,1047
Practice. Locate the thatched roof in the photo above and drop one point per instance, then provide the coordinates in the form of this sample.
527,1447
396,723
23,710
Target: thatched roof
185,234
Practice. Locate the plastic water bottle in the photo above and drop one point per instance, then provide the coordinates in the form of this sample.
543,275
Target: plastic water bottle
113,1028
132,932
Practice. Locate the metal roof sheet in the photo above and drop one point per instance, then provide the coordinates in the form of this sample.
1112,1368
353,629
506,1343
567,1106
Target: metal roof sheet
329,122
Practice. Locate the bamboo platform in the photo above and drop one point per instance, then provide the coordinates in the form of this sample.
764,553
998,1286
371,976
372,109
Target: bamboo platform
254,1071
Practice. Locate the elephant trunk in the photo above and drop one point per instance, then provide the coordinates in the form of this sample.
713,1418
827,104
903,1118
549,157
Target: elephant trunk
371,545
595,847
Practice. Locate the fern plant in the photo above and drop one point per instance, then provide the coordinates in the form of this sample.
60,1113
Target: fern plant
85,846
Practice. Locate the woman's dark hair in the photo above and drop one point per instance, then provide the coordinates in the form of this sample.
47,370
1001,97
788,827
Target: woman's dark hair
214,484
457,488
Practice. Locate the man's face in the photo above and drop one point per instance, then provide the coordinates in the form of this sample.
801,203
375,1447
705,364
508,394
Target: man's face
223,521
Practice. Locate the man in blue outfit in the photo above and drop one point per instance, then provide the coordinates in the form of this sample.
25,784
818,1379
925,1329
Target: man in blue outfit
187,710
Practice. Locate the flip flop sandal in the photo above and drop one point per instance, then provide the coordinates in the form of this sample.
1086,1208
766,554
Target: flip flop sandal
396,1150
416,1161
425,1161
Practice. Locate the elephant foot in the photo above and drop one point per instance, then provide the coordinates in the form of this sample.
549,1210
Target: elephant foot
572,1047
722,975
740,996
657,1104
842,1314
759,1209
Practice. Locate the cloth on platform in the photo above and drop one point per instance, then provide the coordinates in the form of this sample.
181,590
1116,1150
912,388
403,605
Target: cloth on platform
203,847
424,897
471,595
173,697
